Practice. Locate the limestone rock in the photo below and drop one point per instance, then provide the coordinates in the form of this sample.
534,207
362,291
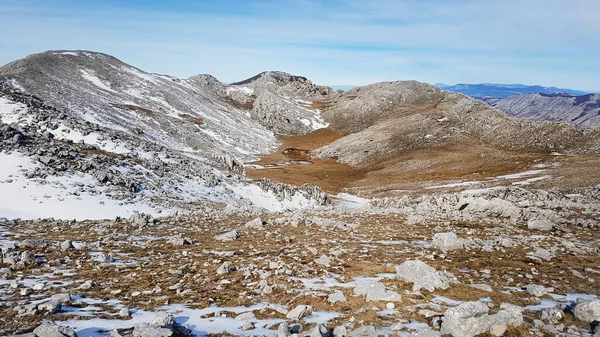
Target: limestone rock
421,275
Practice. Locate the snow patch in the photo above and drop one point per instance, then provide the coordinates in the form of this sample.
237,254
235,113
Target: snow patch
90,76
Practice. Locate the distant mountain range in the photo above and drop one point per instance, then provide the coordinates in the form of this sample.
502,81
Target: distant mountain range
491,90
581,111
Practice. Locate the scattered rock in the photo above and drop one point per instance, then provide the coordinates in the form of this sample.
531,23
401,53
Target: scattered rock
421,275
587,311
228,236
298,312
336,297
447,241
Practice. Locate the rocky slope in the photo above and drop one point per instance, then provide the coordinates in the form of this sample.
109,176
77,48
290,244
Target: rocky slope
581,111
129,137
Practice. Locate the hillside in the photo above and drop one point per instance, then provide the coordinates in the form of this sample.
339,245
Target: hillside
581,111
131,137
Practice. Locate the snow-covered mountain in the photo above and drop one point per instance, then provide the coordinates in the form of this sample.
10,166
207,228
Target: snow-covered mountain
87,135
492,90
581,111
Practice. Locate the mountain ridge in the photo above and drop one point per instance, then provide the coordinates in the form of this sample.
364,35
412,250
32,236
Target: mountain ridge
494,90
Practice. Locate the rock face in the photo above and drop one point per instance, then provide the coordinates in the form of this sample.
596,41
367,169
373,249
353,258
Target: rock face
471,318
581,111
281,102
421,275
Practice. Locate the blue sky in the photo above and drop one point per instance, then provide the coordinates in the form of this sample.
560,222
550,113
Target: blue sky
336,42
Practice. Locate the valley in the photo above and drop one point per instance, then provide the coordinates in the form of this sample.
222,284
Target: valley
138,204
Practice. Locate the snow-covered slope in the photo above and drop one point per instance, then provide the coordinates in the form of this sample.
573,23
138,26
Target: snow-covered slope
85,135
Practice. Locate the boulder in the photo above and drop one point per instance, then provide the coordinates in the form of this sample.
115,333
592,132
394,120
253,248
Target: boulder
50,329
255,224
421,275
375,291
147,330
298,312
471,318
447,241
336,297
283,330
228,236
540,225
588,311
364,331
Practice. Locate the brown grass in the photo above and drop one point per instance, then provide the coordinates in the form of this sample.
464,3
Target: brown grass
194,119
138,109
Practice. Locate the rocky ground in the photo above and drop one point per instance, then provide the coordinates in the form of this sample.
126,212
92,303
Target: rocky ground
424,267
394,209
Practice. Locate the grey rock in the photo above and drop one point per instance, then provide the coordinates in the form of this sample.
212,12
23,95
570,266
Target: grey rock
587,311
323,260
63,298
541,225
255,224
147,330
224,269
447,241
340,331
50,329
283,330
124,313
471,318
364,331
247,316
336,297
51,307
298,312
66,245
551,315
421,275
247,326
319,331
541,253
375,291
228,236
538,290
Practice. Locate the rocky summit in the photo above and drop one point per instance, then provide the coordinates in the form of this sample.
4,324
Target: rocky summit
141,204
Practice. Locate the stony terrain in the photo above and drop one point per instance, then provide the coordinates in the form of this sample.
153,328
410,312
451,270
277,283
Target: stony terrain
581,111
138,204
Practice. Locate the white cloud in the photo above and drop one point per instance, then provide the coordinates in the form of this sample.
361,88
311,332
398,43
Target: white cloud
551,42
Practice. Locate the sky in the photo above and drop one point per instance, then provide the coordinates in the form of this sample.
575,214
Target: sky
332,42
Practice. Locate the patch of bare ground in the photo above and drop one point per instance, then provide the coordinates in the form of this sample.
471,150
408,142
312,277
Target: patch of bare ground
135,108
328,174
199,121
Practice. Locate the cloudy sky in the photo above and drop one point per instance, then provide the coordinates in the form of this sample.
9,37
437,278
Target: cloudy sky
332,42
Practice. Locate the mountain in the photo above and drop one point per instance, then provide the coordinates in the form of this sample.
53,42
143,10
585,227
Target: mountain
139,204
491,90
132,137
581,111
